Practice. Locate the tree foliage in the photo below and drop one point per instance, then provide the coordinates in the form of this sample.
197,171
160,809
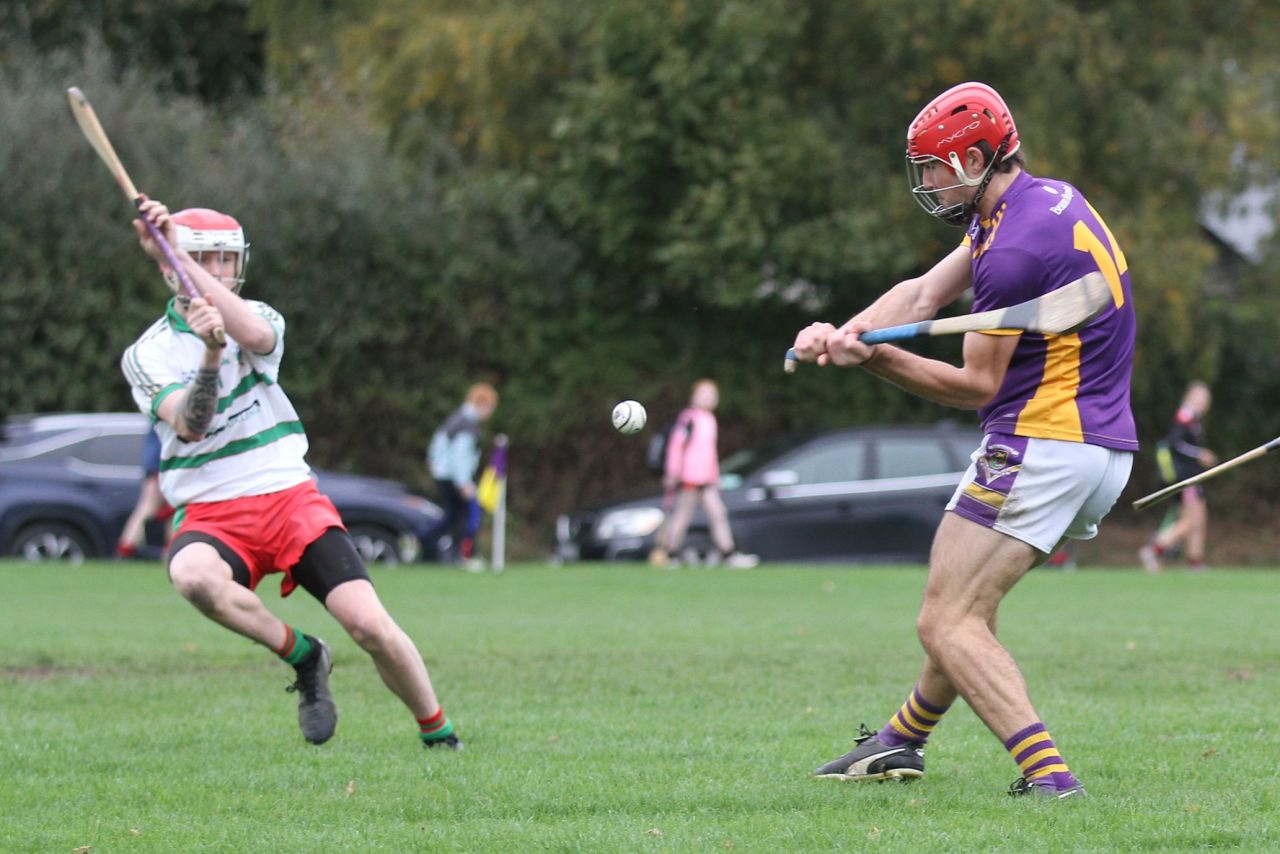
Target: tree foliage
586,202
200,47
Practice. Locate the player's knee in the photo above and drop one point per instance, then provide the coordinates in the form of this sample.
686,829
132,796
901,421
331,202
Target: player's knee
197,580
374,633
932,624
926,630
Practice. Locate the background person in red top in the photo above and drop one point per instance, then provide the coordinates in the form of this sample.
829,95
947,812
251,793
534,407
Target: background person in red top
693,474
150,504
1180,455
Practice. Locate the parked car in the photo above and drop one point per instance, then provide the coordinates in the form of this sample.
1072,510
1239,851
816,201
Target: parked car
863,494
69,481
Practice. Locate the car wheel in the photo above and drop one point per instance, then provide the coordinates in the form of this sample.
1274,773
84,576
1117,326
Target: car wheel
376,545
52,541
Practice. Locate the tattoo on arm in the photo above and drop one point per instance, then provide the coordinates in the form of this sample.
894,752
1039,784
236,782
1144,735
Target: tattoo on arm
201,401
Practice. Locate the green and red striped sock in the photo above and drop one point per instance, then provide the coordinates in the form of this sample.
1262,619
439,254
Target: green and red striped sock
296,646
435,728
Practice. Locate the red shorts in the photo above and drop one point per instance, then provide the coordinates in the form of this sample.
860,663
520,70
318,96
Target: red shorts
269,532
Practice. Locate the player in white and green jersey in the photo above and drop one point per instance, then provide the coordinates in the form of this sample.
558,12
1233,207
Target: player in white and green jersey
257,447
233,464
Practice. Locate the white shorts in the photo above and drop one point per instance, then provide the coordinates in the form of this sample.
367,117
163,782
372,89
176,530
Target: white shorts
1041,490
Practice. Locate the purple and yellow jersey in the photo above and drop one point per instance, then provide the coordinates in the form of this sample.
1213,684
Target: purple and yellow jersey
1041,236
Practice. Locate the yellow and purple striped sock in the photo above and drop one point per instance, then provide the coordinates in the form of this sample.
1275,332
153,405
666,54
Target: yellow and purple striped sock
913,723
1039,759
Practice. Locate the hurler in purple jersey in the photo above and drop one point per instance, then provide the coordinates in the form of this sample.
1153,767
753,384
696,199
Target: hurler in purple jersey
1059,433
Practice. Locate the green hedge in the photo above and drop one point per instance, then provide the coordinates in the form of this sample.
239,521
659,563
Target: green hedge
619,255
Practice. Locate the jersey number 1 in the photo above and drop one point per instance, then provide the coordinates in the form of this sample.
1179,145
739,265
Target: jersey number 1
1110,261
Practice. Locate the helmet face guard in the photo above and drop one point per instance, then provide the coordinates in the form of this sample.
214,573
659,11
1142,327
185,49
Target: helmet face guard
202,231
929,196
951,124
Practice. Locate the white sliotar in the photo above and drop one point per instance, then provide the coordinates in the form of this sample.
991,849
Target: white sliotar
629,417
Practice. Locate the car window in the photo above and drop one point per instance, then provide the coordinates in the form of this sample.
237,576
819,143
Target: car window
110,450
912,456
18,438
41,444
752,459
35,450
835,463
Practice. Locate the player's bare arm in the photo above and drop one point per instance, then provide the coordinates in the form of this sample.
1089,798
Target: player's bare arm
969,386
248,328
922,297
908,301
199,403
190,411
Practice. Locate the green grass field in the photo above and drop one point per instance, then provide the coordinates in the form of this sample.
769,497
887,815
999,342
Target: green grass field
627,709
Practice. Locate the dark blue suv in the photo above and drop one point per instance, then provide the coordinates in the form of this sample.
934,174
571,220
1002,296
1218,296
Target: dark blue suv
69,481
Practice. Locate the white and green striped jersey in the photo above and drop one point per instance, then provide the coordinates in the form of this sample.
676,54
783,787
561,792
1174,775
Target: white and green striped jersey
255,444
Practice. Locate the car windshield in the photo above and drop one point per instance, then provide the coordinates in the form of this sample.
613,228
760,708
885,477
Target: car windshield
16,433
19,438
736,467
105,439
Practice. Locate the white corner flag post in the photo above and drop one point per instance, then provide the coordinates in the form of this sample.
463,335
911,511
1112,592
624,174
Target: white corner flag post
500,512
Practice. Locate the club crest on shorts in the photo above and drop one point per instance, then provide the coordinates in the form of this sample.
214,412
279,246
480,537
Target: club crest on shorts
999,461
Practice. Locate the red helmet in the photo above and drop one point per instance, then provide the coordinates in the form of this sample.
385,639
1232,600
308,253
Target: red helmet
951,123
203,230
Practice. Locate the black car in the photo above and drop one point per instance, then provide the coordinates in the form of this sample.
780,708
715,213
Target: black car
860,494
69,481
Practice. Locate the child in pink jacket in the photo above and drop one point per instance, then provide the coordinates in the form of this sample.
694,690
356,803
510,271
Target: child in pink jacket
693,472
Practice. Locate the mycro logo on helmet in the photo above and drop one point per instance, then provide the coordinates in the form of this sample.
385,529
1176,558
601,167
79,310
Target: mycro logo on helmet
972,126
